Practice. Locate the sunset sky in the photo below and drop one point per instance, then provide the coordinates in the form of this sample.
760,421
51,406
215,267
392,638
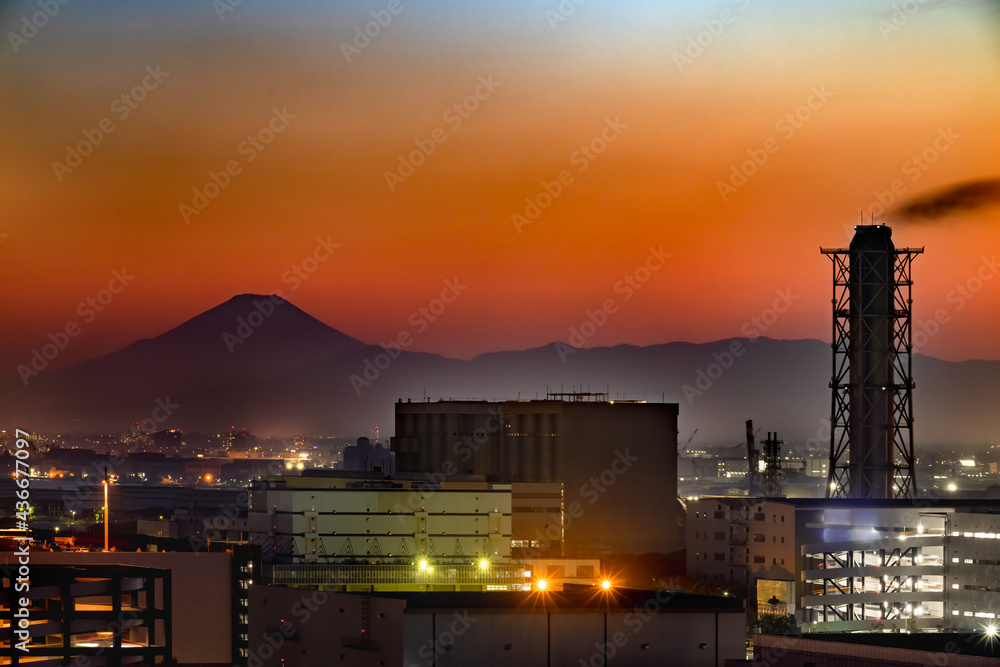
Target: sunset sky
673,97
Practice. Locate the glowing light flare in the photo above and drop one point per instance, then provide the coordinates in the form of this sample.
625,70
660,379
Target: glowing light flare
541,584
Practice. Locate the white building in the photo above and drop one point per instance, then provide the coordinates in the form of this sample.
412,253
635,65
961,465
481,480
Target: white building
855,564
345,533
319,520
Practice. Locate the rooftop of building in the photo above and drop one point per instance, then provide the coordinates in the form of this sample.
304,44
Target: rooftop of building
576,397
618,600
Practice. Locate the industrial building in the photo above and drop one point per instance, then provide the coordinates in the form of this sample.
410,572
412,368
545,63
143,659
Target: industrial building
851,564
338,530
295,627
610,456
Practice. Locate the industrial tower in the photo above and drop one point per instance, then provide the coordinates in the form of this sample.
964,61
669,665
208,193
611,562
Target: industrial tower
871,438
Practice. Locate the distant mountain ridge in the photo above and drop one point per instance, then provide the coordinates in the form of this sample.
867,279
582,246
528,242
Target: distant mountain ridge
270,367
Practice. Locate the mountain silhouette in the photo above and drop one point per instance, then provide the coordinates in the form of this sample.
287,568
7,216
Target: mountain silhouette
275,370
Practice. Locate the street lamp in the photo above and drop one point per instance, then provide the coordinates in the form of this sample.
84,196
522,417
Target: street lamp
106,484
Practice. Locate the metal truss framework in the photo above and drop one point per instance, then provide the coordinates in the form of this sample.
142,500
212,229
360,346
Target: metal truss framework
842,385
833,586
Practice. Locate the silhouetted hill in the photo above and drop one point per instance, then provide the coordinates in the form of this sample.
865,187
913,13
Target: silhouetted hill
294,374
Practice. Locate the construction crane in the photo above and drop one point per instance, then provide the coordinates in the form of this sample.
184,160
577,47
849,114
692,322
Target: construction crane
684,449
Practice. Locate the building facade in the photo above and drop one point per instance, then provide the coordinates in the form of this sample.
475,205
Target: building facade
612,457
344,533
857,564
295,627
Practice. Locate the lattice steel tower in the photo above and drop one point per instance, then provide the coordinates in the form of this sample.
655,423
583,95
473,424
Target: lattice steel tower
871,438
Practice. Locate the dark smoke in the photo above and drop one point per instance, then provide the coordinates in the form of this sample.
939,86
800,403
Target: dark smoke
968,196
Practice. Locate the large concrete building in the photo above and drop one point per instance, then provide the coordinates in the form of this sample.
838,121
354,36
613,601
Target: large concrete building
344,532
314,518
614,459
852,564
295,627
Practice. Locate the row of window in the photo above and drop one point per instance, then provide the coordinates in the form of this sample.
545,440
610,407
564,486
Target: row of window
758,516
761,560
757,537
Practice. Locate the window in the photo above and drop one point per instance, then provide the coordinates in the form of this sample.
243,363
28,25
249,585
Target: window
585,571
719,535
758,537
782,561
758,559
774,561
782,518
719,556
774,540
759,516
720,515
954,586
782,539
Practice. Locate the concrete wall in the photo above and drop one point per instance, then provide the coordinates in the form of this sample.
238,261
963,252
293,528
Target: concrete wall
318,624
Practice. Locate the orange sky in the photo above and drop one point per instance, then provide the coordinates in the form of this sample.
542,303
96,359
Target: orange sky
889,91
